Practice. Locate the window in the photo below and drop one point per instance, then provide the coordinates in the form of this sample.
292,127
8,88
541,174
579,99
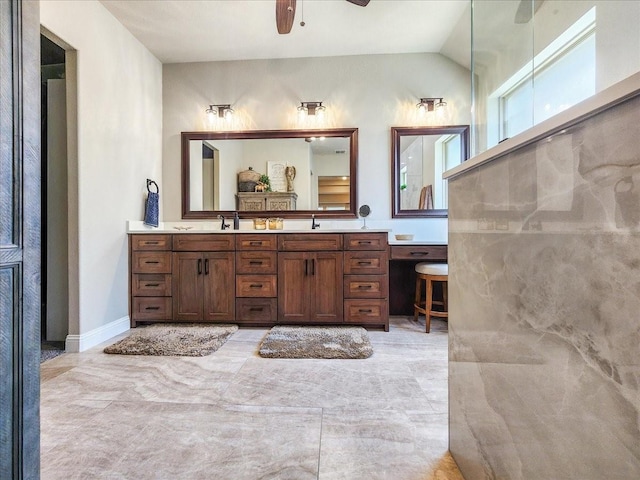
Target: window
560,76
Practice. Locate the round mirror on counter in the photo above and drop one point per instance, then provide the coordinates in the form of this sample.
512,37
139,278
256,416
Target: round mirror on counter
364,212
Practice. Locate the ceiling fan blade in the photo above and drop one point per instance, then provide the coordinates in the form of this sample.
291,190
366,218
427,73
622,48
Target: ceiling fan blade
285,13
361,3
524,12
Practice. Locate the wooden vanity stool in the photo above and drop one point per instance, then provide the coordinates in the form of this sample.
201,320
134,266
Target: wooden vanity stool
429,273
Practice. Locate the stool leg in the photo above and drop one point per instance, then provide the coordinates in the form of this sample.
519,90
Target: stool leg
428,304
416,299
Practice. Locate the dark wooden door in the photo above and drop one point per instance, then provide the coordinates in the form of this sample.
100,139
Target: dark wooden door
326,286
294,304
219,293
19,239
310,287
188,274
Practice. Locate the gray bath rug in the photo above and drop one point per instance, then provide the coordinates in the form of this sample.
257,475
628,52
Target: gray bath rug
171,339
316,342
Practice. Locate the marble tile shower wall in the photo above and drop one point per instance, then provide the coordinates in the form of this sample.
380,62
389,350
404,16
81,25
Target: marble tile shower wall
544,331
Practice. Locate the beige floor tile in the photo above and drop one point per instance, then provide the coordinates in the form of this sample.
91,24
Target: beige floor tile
235,415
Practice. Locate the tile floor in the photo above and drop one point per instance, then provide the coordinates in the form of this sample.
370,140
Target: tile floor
233,415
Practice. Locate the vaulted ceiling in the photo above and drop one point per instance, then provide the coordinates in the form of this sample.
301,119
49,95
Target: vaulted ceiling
212,30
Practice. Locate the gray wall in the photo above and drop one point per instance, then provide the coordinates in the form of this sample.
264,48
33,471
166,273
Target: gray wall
370,92
544,255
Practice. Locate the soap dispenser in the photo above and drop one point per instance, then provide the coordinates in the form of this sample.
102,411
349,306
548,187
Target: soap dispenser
236,221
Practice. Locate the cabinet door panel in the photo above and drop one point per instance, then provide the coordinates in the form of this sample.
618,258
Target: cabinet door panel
187,287
219,286
426,253
293,298
151,308
256,241
365,241
256,262
256,285
327,287
151,262
366,263
366,286
151,285
307,242
256,310
204,242
151,242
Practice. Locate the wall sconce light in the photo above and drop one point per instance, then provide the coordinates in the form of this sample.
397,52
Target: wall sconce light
311,108
220,111
429,104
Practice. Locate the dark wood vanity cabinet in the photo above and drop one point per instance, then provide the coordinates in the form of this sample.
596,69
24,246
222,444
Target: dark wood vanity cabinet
150,280
202,291
256,278
260,279
310,287
366,279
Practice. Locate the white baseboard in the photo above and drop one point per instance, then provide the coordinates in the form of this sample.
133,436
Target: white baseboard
85,341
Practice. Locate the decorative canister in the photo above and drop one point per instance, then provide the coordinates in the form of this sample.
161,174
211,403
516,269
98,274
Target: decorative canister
260,223
276,223
247,180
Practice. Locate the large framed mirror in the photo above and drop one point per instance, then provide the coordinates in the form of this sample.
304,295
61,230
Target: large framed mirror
309,172
419,156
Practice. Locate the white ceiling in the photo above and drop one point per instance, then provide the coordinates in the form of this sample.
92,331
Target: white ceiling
178,31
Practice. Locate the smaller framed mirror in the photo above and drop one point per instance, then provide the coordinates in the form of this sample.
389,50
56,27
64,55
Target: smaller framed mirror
419,157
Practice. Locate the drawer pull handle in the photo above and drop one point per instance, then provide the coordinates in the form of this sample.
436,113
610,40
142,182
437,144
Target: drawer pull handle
256,244
151,284
365,287
256,285
152,308
365,310
363,242
255,262
151,261
206,266
419,254
256,309
364,263
199,266
149,242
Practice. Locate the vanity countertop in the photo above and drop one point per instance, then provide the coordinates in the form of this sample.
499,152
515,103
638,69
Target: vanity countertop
136,227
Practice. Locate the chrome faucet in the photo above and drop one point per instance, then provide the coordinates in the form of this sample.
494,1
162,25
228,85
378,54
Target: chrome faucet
314,225
223,226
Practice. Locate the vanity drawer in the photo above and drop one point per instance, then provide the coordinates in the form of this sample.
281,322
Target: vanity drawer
151,308
366,286
256,262
205,242
256,286
419,252
256,309
365,241
150,242
365,263
151,285
366,311
248,241
151,262
309,242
